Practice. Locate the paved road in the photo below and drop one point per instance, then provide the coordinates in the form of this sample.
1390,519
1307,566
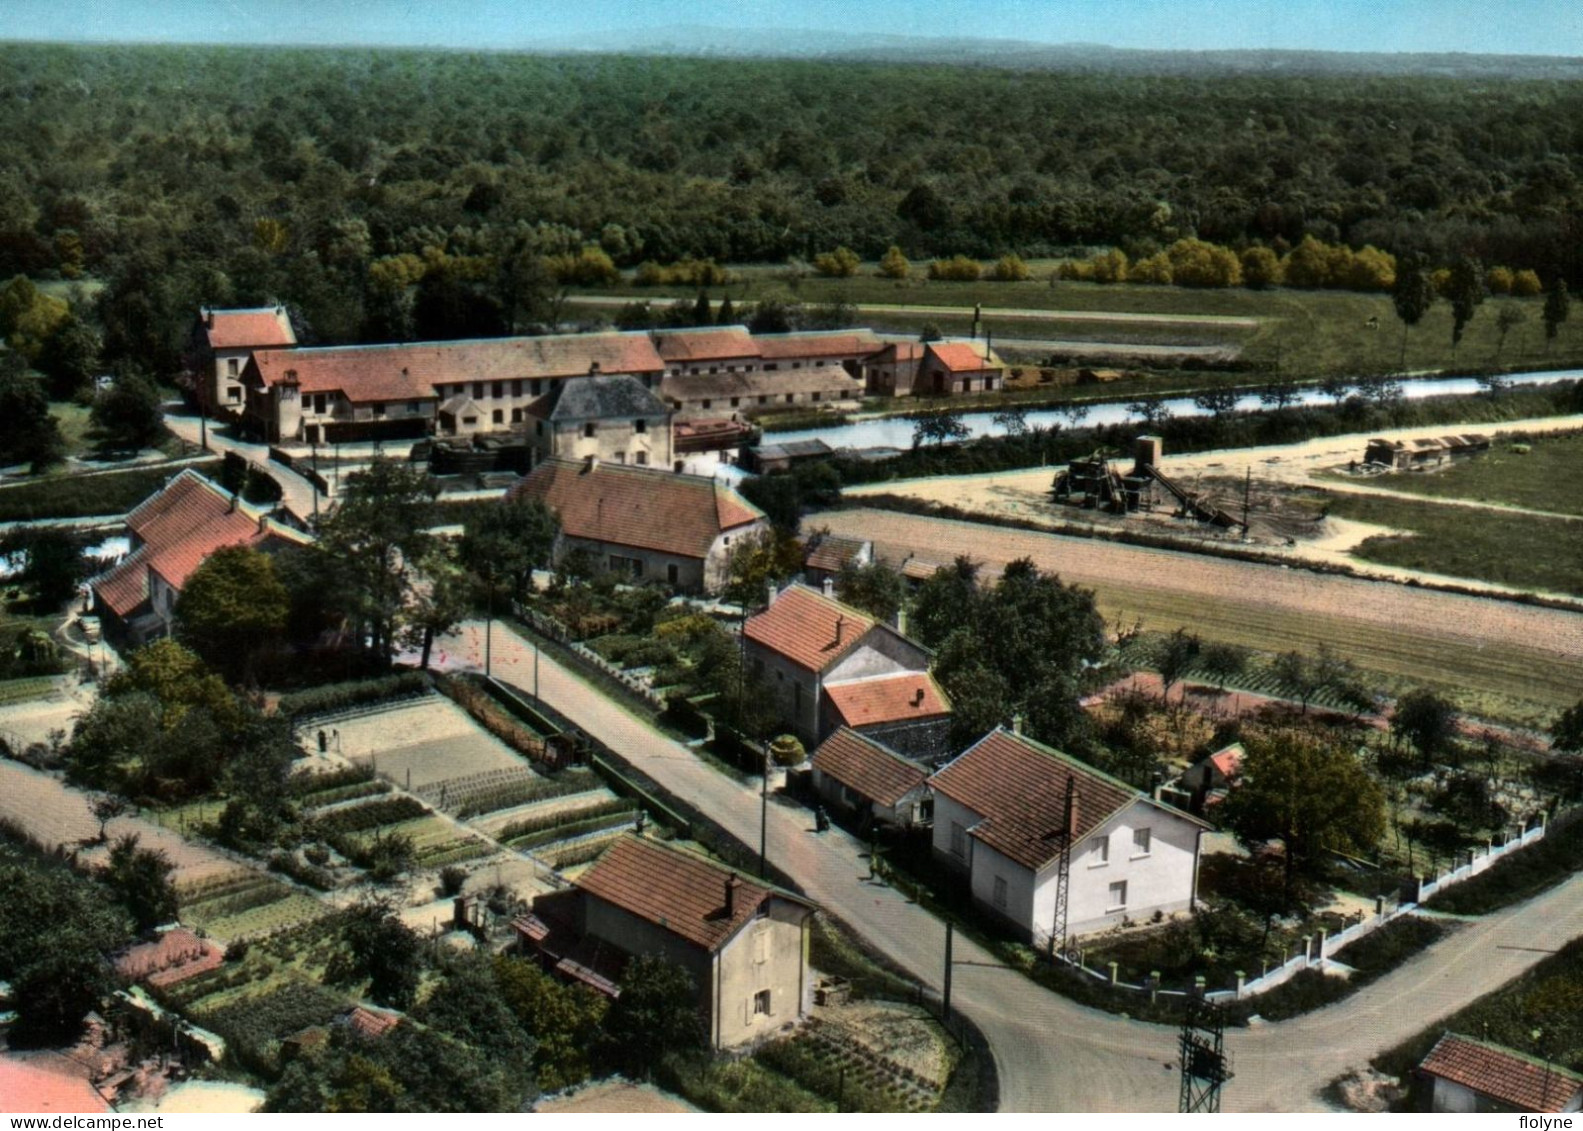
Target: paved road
1051,1054
1230,321
298,495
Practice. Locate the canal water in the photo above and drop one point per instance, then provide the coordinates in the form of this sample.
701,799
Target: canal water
896,432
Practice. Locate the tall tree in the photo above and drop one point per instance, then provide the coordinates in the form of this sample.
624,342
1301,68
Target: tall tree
1310,794
28,433
1412,294
377,536
702,316
509,540
1558,305
381,950
140,877
1466,292
51,562
232,607
657,1013
127,415
1174,657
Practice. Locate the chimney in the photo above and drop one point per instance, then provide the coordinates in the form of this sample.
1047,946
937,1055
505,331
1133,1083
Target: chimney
828,585
1016,724
917,697
208,316
732,884
840,625
232,508
263,524
901,620
593,369
590,462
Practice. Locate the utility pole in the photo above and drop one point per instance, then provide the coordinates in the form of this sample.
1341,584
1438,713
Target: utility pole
1247,489
945,993
764,816
489,622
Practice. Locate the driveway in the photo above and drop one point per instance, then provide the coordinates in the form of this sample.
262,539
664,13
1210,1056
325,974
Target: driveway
1052,1054
297,494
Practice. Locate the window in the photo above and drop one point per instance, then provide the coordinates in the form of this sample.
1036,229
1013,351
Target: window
796,365
233,394
816,396
731,369
791,398
497,417
693,371
764,400
621,457
761,1004
413,408
497,390
379,410
640,458
589,429
714,369
538,427
673,574
1118,896
958,840
478,390
771,366
230,367
706,402
1000,892
318,402
469,421
516,416
640,426
533,386
736,401
1098,851
1141,842
516,388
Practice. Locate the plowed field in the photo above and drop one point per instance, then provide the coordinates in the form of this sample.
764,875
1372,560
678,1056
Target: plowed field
1530,657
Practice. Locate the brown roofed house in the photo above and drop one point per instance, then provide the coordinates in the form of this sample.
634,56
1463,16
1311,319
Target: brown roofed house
869,780
1000,815
829,554
743,941
173,531
805,644
221,343
950,368
644,522
1467,1075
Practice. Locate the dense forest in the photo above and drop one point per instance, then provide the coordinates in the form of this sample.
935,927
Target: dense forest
336,179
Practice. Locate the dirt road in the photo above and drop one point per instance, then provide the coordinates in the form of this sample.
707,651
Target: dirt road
1526,652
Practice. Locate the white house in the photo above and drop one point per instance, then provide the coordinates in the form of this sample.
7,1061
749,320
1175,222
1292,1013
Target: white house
999,812
859,775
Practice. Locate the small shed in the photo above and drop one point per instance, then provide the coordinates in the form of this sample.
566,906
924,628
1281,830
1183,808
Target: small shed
1468,1075
858,775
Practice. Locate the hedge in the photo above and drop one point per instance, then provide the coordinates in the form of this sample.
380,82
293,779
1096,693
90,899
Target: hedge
354,693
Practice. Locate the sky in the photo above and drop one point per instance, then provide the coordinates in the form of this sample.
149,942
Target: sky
1518,27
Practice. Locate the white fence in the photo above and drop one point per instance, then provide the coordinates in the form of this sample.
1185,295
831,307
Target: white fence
1317,949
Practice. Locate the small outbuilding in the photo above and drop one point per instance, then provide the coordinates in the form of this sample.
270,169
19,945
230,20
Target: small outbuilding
1468,1075
866,779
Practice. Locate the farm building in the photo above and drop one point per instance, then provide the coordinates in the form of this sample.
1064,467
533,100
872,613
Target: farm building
1208,780
829,554
1000,817
726,368
744,942
859,776
222,343
953,368
830,665
172,532
766,458
1467,1075
642,522
1426,451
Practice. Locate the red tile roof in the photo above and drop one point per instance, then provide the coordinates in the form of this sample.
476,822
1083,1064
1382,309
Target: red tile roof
832,551
868,767
178,527
959,357
642,507
1502,1074
1018,787
172,958
371,1024
255,328
907,697
817,344
30,1087
411,371
678,890
1228,762
898,352
809,629
706,344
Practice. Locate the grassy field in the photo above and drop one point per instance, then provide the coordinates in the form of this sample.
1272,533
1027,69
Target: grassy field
79,496
1543,478
1484,545
1304,333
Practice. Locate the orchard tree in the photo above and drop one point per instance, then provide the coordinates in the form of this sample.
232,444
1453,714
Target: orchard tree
1223,662
127,416
1174,657
381,950
1427,721
140,877
656,1014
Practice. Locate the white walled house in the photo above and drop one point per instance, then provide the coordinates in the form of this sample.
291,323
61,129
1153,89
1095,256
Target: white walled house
1472,1076
999,813
223,342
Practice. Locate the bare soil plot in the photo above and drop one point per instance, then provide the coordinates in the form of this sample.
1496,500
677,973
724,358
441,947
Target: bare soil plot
433,739
58,815
617,1097
1531,656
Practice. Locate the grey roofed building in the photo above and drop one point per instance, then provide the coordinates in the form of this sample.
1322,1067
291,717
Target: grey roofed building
606,397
